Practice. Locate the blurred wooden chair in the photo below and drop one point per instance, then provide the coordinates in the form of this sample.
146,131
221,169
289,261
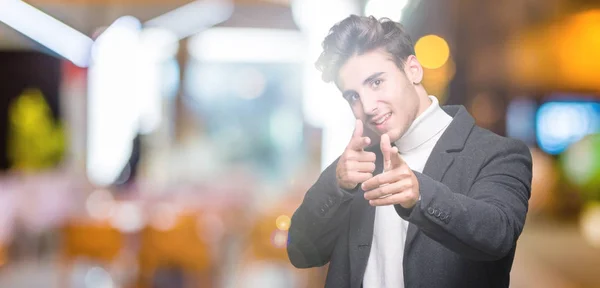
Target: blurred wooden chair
177,248
266,247
95,241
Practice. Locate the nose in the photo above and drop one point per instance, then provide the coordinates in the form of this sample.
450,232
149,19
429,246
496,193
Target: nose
369,104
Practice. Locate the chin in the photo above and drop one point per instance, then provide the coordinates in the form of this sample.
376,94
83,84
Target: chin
394,135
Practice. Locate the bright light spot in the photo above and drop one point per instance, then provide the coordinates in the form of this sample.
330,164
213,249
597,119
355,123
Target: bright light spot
315,17
251,83
193,17
590,224
100,204
559,124
432,51
98,278
158,44
283,222
164,217
279,238
247,45
128,217
42,28
391,9
113,114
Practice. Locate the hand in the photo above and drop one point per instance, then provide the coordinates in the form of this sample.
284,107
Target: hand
396,185
355,165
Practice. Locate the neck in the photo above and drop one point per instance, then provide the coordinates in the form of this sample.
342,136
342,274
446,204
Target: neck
424,100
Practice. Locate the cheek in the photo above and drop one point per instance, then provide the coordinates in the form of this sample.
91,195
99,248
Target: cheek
357,110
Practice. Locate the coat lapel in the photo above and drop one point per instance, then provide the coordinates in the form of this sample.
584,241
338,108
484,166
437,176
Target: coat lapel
443,154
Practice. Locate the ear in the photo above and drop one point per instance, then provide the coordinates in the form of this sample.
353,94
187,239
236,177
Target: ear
413,70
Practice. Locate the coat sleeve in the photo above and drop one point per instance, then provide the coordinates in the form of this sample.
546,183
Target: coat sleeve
317,223
485,222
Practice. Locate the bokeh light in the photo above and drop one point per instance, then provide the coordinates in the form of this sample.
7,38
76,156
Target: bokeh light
100,204
432,51
391,9
561,123
581,165
279,238
590,224
283,222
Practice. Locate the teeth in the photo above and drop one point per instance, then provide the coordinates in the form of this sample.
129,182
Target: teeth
383,119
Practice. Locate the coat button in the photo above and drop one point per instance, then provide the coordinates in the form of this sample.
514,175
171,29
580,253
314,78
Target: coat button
430,210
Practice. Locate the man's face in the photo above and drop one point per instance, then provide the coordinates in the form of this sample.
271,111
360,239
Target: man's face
379,93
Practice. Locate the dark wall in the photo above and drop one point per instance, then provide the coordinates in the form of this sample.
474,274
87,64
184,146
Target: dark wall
26,69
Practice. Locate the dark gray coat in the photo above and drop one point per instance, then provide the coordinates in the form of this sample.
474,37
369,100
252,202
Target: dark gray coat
475,189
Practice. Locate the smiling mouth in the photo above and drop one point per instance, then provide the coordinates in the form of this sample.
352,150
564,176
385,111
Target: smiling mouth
382,119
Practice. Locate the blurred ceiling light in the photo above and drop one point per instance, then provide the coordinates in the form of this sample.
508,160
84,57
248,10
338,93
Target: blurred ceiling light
113,112
46,30
193,17
391,9
316,16
247,45
432,51
158,44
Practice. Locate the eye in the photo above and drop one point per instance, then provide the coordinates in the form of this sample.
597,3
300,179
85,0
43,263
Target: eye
375,84
353,98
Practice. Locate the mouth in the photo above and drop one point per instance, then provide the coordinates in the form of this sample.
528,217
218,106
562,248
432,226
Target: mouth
379,121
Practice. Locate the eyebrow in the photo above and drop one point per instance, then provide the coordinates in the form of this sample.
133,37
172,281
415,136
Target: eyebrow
365,82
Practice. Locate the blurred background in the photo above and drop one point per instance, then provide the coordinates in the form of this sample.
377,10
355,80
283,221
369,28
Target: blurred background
149,143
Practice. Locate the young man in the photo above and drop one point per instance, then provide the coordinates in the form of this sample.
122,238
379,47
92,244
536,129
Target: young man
439,202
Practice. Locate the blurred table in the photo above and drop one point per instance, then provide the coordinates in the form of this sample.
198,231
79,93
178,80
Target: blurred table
553,254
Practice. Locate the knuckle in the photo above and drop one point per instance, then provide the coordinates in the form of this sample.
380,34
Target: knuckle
405,169
371,156
372,167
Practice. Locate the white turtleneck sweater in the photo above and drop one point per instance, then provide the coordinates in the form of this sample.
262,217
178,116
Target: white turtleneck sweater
384,267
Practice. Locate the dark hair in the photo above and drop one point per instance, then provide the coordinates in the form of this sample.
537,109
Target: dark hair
357,35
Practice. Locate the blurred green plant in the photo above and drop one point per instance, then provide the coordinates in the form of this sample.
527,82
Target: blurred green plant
35,140
581,166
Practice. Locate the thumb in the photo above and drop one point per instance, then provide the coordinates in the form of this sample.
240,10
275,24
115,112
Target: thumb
386,149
